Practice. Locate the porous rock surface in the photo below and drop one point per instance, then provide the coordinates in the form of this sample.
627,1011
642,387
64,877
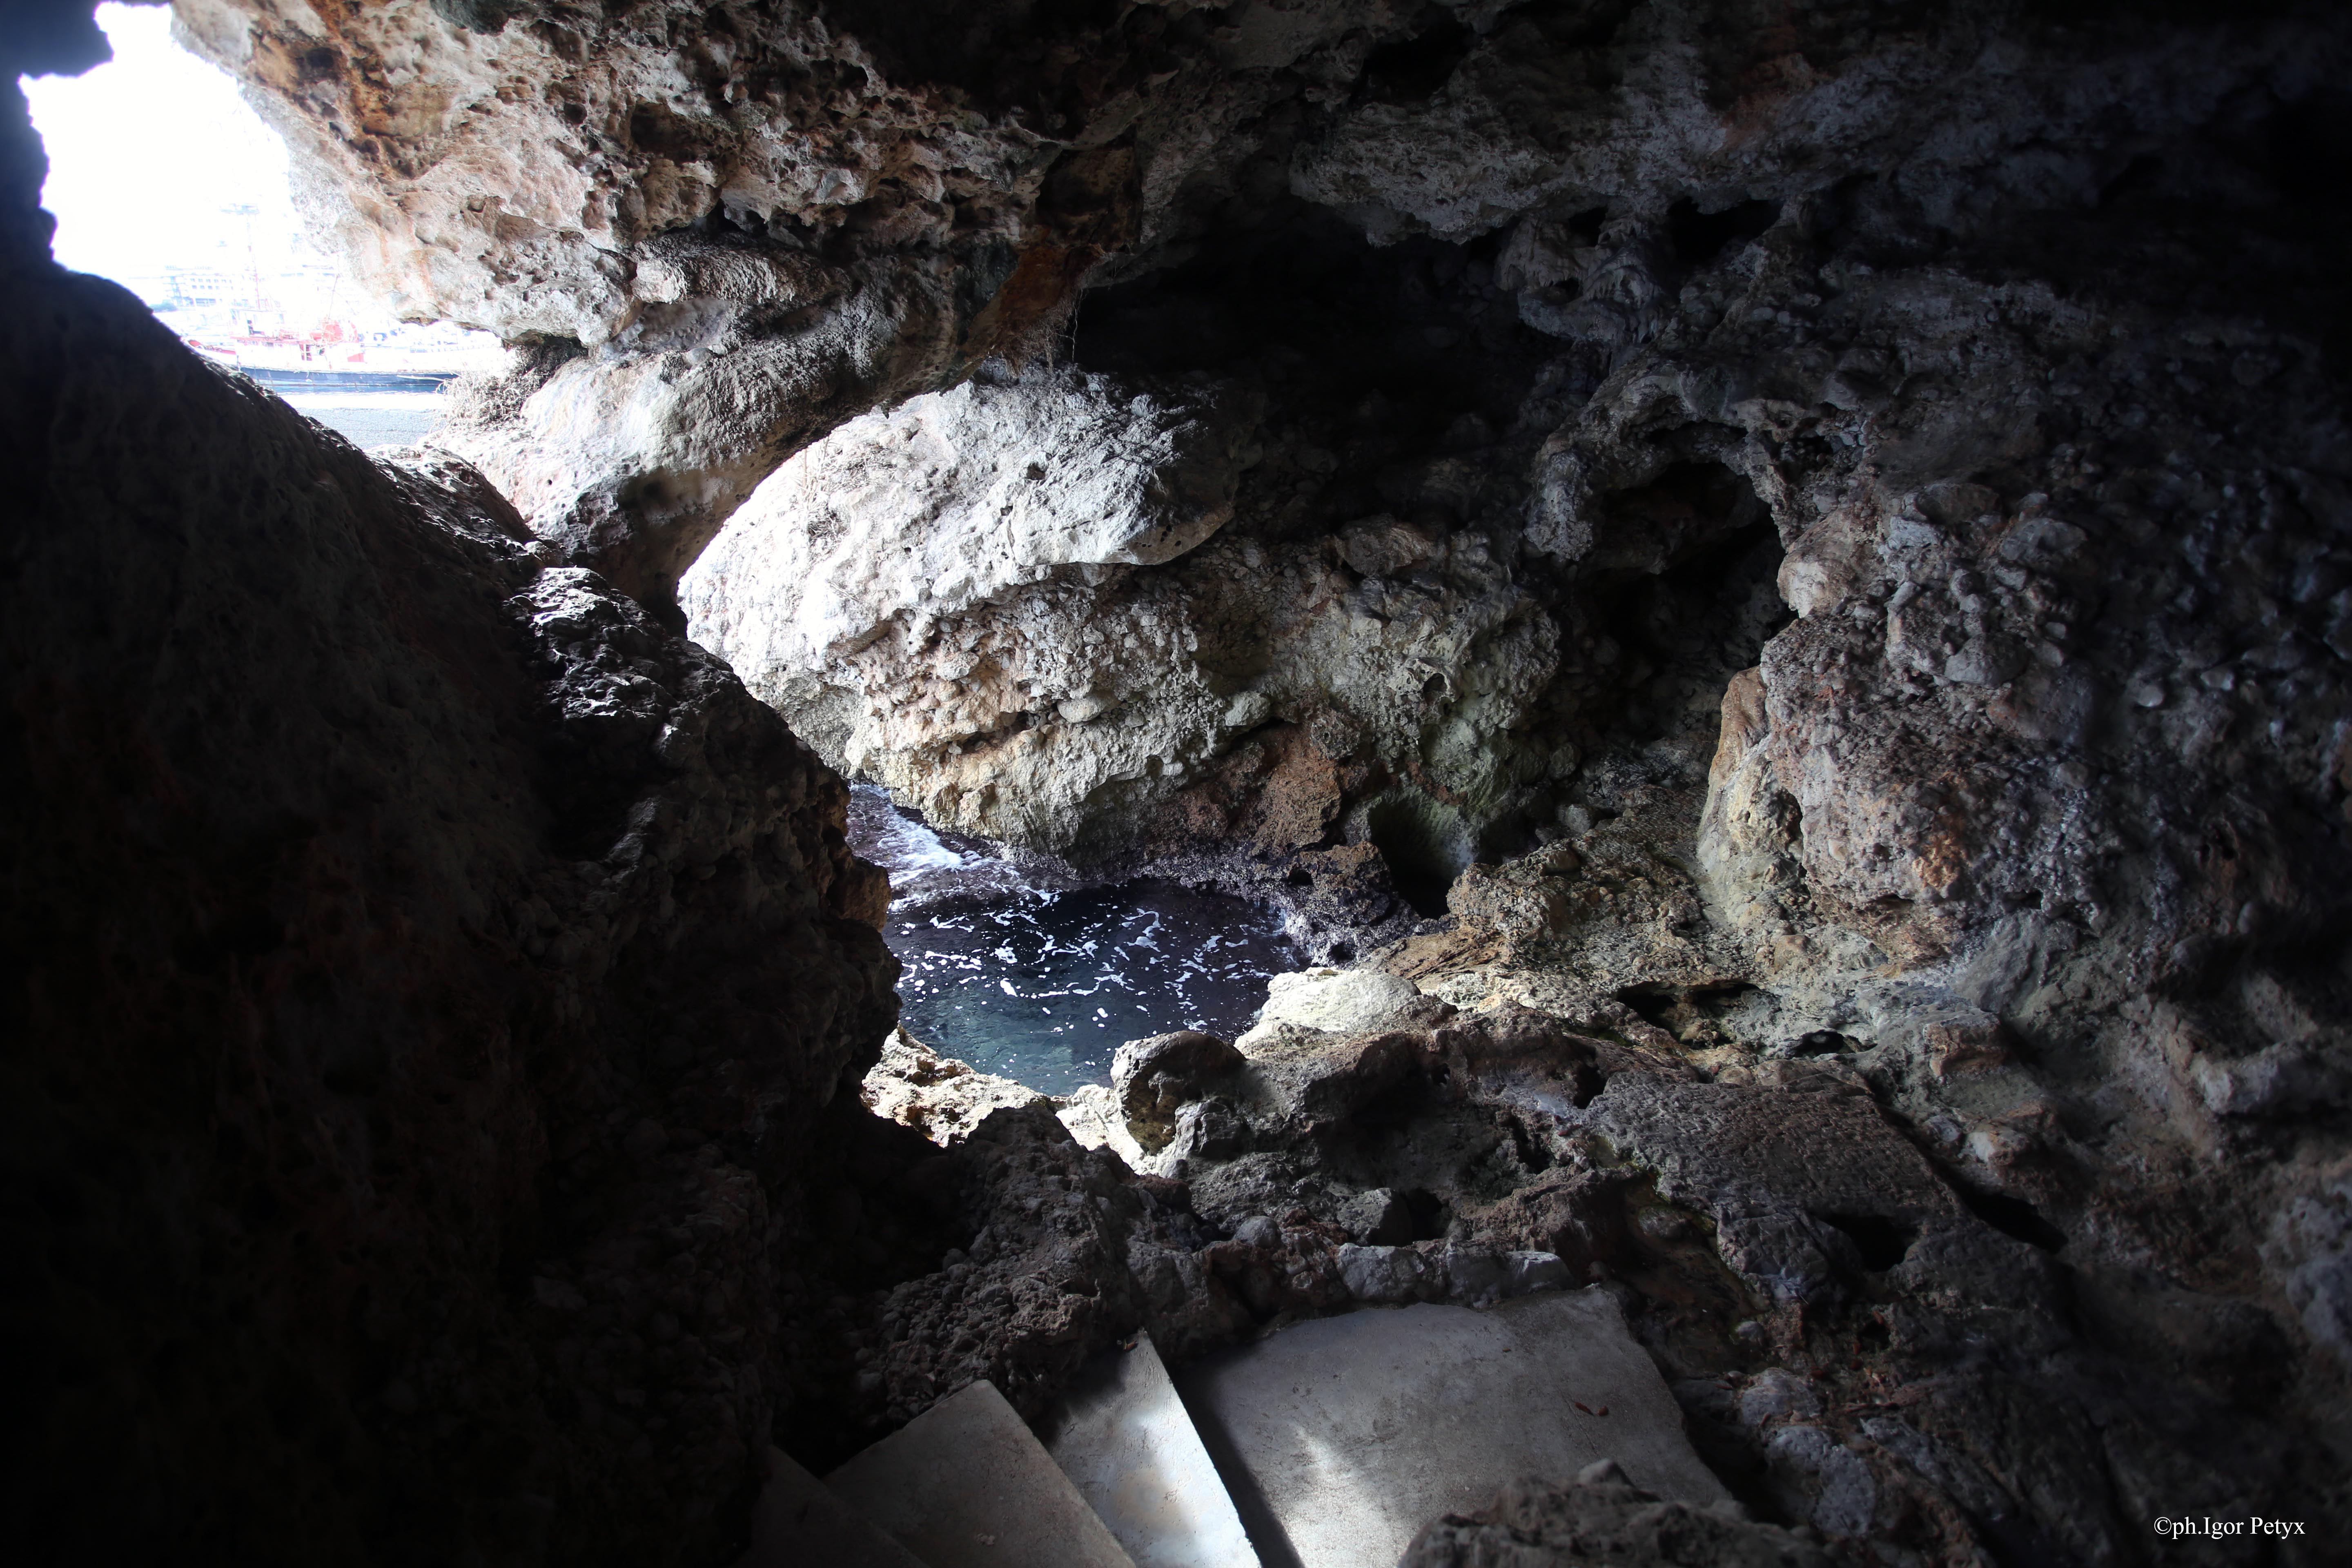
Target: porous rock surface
1871,1333
1070,1252
940,1097
1601,1517
728,228
844,588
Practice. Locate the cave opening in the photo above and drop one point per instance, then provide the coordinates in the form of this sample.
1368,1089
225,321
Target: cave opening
1425,843
165,179
1694,595
1431,1214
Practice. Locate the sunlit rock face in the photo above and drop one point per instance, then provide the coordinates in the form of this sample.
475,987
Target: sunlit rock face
756,221
882,548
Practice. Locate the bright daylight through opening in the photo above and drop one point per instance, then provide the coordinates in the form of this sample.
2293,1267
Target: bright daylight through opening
164,178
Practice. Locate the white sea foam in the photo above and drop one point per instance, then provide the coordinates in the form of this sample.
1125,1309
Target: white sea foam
329,397
976,937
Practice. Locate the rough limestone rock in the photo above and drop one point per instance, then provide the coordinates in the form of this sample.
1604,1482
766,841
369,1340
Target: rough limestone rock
1744,1200
1601,1517
430,981
941,598
632,467
528,169
858,552
730,228
1797,1181
1069,1253
940,1097
1152,1079
1091,1113
1333,1002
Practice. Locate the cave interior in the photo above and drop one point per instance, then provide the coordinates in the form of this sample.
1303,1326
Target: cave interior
1764,591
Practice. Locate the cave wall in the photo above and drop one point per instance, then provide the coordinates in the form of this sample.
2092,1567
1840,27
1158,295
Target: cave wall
424,972
1977,392
1481,289
732,227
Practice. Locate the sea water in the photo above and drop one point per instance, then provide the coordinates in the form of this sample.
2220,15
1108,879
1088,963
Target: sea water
1040,982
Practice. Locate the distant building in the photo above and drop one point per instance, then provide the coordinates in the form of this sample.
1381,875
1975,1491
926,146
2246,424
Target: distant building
196,286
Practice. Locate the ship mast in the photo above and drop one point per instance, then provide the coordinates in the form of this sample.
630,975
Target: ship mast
248,212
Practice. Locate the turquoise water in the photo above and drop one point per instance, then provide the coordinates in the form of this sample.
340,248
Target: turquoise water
1041,985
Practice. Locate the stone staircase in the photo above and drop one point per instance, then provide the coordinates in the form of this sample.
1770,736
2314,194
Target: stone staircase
1327,1444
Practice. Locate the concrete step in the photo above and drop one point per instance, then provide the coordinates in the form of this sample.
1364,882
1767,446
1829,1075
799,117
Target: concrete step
799,1523
1342,1436
1123,1437
966,1485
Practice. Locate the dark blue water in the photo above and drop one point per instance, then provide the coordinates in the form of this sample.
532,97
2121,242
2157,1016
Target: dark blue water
1041,985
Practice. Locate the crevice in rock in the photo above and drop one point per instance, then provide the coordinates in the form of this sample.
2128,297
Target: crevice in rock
1411,70
1882,1242
1700,236
1691,1013
2013,1216
1681,632
1424,845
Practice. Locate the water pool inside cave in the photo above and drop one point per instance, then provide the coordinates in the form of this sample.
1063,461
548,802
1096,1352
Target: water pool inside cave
1043,983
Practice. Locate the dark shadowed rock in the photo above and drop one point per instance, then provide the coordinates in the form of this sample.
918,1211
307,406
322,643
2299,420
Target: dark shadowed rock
429,979
1154,1078
1602,1518
1769,587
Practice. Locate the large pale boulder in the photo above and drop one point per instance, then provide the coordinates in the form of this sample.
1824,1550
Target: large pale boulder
940,1097
1335,1001
900,519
